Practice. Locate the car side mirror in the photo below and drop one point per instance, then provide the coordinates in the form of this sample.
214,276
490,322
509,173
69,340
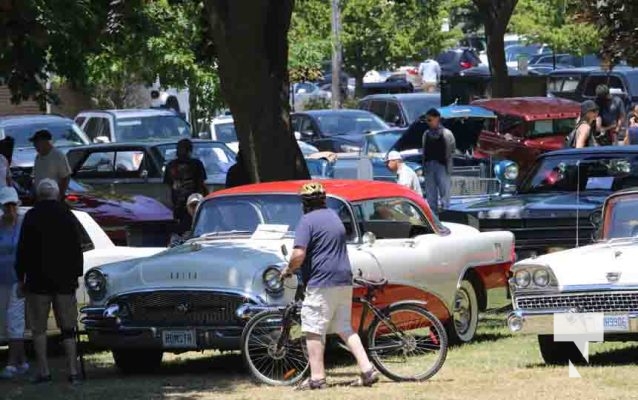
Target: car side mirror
102,139
368,239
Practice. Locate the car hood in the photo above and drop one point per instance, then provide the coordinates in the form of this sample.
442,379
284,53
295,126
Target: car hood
223,264
24,157
589,265
111,208
542,205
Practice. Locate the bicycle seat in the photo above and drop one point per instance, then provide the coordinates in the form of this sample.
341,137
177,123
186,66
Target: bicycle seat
370,284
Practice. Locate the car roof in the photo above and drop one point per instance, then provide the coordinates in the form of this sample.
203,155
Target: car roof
328,112
350,190
402,96
598,70
532,108
116,145
593,150
134,112
11,120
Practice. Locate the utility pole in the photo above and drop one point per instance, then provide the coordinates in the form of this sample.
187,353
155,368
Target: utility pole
336,55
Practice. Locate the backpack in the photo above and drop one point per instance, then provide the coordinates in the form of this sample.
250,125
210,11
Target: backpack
570,140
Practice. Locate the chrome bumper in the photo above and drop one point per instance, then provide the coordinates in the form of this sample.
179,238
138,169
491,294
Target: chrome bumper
541,322
106,330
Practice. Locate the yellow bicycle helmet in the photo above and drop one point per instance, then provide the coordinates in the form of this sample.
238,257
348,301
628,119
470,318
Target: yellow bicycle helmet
312,190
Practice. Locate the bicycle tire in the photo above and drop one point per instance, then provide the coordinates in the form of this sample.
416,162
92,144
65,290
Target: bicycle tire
434,330
257,350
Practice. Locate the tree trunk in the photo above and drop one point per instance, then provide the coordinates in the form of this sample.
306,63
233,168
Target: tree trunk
358,85
251,42
496,16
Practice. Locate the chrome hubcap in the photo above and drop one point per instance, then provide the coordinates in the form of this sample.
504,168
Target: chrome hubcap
462,311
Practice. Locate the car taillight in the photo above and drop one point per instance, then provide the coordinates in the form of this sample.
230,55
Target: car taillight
413,71
465,64
513,253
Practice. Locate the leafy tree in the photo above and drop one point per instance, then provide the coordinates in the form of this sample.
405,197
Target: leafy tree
616,22
309,40
557,23
496,17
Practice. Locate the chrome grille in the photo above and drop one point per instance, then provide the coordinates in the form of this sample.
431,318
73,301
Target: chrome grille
180,308
597,302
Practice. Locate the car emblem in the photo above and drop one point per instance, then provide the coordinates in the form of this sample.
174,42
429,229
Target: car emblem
613,277
183,308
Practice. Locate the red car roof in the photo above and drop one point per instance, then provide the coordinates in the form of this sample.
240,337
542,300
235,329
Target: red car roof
532,108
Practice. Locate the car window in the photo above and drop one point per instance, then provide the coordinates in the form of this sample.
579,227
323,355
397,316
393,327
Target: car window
79,120
510,124
158,127
415,107
393,114
217,159
64,133
621,219
97,164
546,127
563,84
226,132
364,105
392,218
594,80
350,123
447,57
377,107
306,126
98,126
469,57
128,161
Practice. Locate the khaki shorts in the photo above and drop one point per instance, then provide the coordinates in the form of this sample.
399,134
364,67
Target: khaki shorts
327,310
11,313
64,308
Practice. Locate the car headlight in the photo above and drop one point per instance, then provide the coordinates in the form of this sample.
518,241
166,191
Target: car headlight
511,172
272,281
347,148
541,277
522,278
95,283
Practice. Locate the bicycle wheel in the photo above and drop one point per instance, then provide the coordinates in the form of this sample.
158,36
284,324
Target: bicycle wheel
259,342
409,344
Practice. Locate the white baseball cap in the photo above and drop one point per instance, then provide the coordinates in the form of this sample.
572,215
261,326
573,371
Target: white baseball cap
393,156
9,195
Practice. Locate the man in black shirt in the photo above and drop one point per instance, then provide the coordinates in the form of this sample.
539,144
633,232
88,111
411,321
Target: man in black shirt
185,175
438,149
612,114
49,261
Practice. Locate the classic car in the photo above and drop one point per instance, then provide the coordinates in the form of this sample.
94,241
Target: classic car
595,284
138,168
550,208
525,127
98,250
400,109
336,130
199,295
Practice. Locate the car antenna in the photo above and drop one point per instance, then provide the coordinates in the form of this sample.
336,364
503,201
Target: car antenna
577,199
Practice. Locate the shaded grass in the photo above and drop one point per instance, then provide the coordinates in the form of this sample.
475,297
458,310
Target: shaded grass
497,365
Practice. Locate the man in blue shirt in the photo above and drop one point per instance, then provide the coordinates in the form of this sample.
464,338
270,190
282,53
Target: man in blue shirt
321,252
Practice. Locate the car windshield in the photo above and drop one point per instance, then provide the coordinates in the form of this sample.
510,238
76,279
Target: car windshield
157,127
382,142
217,158
419,106
583,172
225,132
336,124
563,84
547,127
513,52
447,57
65,133
243,213
621,220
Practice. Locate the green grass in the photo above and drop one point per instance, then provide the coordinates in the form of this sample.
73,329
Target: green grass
496,366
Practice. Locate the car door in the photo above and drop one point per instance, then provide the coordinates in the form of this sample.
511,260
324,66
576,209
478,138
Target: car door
393,115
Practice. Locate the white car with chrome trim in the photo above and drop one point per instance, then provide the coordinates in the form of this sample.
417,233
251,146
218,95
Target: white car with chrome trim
598,281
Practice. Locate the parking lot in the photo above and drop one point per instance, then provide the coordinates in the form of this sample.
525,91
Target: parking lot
497,365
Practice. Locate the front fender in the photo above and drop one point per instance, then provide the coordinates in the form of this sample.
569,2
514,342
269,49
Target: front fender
420,303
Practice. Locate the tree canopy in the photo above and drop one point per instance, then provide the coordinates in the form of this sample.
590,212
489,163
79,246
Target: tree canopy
616,22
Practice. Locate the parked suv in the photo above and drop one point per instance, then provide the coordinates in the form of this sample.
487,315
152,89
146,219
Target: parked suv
132,125
400,110
456,60
622,80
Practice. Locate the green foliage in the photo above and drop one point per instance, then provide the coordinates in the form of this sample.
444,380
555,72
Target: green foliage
616,22
557,23
309,40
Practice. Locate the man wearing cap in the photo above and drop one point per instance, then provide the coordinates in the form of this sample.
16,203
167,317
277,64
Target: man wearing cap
50,162
405,175
584,132
612,115
438,148
49,261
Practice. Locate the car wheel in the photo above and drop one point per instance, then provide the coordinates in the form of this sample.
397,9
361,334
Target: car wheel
559,353
137,361
465,310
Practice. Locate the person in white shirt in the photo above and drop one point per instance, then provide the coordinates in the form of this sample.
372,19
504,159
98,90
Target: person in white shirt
405,175
50,163
430,72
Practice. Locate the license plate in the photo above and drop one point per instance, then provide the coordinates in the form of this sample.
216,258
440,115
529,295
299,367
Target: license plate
179,339
616,323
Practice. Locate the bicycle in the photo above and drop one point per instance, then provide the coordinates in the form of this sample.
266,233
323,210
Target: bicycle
273,346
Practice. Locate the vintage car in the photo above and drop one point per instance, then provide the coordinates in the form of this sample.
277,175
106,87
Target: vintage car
595,281
199,295
551,206
525,128
98,250
138,168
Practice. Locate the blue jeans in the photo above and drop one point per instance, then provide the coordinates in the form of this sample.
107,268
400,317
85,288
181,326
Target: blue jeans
437,185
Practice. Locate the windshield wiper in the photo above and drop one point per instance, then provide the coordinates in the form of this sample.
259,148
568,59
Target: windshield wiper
223,233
